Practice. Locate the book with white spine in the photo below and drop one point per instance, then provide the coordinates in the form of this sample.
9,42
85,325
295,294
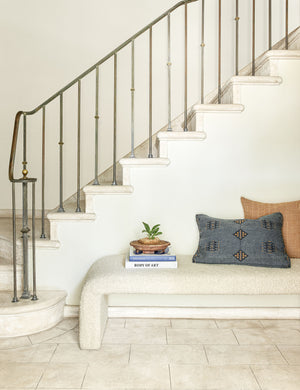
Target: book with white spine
150,264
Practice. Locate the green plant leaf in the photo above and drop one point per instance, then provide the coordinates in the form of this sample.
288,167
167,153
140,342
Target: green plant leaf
154,231
147,227
157,234
156,226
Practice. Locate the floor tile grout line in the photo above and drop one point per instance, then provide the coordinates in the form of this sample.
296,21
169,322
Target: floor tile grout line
251,369
276,346
170,378
42,374
167,341
50,338
83,379
129,355
53,353
232,330
216,323
261,323
205,351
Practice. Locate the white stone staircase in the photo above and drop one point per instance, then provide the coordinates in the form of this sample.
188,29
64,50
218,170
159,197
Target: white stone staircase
138,168
112,214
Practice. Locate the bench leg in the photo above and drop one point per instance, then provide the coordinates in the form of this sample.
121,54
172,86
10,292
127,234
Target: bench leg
92,322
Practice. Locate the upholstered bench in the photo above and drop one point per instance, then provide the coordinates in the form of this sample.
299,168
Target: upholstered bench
108,276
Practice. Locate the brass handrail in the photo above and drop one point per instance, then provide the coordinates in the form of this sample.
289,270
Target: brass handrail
81,76
14,147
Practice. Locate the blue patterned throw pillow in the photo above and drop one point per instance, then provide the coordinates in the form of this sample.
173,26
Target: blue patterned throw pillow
256,242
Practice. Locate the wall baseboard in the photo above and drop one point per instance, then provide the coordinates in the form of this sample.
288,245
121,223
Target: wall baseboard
71,311
207,312
196,312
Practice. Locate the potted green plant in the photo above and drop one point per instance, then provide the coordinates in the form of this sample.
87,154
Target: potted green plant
152,235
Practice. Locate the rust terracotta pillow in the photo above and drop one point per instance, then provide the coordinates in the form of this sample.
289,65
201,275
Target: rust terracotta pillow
291,220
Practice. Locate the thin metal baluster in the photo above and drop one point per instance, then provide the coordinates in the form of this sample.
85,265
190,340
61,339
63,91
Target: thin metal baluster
96,181
270,24
34,296
43,235
150,155
61,143
114,182
25,230
132,100
237,19
24,142
78,209
185,128
286,24
253,38
15,297
169,64
202,51
219,54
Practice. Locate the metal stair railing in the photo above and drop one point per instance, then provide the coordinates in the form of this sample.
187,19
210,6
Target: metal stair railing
25,180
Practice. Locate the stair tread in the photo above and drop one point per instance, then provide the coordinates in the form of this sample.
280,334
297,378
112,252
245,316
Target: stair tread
108,189
218,107
255,79
144,161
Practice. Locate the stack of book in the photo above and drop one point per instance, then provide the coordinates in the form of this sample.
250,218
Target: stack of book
156,260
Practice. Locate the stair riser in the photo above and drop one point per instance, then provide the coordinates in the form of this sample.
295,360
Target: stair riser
6,250
6,278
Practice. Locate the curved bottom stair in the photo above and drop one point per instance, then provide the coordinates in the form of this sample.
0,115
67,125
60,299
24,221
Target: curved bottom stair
27,317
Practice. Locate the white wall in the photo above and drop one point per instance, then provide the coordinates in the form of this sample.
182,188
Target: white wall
45,44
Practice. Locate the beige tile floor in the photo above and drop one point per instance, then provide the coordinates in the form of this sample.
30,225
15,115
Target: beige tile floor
158,354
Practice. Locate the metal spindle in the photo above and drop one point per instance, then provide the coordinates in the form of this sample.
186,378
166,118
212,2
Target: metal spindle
132,90
286,24
185,128
114,182
24,142
25,230
219,53
78,209
61,143
169,64
253,38
237,19
34,296
43,235
270,24
96,181
150,154
15,297
202,50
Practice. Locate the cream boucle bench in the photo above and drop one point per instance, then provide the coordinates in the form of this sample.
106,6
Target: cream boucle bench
108,276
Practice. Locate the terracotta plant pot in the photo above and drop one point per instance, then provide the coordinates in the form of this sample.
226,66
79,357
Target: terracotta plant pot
150,241
149,249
